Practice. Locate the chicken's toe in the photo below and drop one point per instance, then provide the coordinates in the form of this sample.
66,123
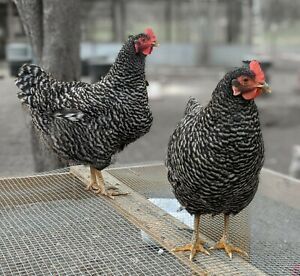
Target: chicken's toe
194,248
111,193
229,249
91,186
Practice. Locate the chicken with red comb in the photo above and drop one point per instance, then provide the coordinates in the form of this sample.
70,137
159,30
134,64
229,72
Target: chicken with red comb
216,152
89,123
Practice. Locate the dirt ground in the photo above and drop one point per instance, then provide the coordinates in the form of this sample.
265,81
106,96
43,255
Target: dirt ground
280,116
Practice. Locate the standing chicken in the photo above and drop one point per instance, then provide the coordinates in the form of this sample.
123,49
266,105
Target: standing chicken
89,123
216,153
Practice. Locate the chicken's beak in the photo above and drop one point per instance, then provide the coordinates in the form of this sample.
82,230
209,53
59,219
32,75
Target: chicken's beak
155,44
265,87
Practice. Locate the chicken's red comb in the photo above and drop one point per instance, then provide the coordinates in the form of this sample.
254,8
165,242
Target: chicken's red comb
150,33
259,74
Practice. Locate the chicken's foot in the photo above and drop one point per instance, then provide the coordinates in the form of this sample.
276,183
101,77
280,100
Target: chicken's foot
196,245
223,243
110,192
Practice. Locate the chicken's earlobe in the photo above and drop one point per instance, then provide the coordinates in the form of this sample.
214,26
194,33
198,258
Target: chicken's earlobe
236,91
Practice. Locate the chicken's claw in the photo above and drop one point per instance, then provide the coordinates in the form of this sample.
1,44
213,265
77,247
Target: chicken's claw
194,248
223,244
91,186
109,193
97,185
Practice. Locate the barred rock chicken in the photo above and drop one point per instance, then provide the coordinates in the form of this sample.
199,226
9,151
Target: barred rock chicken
216,153
89,123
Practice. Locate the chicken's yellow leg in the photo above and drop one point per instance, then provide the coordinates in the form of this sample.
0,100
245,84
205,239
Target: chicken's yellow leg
197,243
223,242
110,192
93,183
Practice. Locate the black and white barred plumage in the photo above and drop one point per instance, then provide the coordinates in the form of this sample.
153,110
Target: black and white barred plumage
89,123
216,152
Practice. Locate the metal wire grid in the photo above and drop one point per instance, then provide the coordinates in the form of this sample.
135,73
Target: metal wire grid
269,229
44,193
50,226
275,240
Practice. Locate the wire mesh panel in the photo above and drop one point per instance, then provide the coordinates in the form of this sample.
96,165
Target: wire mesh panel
50,226
275,240
267,229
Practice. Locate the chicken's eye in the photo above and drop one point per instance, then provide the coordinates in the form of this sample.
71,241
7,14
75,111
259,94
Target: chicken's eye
245,79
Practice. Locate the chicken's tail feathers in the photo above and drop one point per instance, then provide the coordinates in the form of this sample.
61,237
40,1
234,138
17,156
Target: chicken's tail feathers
192,105
30,76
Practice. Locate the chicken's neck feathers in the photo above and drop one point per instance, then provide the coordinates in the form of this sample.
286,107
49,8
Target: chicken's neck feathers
125,82
128,66
224,103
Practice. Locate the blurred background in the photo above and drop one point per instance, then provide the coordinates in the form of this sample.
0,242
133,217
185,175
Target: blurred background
200,40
